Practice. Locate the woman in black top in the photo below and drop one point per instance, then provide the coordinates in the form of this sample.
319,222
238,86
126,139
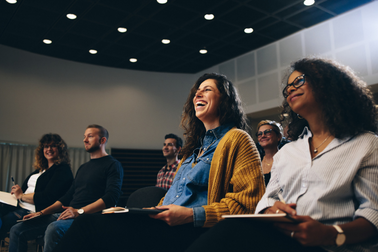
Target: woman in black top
50,181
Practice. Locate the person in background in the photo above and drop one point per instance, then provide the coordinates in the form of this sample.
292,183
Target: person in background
50,181
97,185
220,173
326,178
171,149
270,140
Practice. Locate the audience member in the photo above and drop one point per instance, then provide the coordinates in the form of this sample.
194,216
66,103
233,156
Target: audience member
50,181
220,173
269,136
97,185
328,175
171,149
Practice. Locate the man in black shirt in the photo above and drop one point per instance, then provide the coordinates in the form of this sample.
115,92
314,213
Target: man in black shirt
97,185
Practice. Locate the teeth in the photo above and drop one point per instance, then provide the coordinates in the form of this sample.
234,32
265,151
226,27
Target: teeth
200,104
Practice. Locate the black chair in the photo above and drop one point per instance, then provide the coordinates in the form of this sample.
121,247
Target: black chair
145,197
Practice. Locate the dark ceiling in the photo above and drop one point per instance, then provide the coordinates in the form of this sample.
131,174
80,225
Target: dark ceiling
25,24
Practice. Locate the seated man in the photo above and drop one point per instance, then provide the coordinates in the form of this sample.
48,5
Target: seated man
171,150
97,185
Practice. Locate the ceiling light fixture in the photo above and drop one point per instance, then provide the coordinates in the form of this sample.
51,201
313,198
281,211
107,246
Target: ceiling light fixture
71,16
92,51
309,2
248,30
133,60
12,1
165,41
209,16
203,51
47,41
122,29
162,1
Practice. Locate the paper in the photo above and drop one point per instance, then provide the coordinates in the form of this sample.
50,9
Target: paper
7,198
132,210
281,217
31,218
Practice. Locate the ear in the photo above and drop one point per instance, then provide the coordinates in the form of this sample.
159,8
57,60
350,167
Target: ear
103,140
178,149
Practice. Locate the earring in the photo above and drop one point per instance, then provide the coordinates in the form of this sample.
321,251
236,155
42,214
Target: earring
299,116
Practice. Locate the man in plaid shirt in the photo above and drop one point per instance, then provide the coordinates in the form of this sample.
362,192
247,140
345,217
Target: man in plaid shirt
171,149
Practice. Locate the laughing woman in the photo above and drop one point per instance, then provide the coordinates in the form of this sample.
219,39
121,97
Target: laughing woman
220,173
328,175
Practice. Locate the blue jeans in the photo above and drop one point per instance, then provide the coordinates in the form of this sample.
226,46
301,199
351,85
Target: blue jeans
9,217
47,225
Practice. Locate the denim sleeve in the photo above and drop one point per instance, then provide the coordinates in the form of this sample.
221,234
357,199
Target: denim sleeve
199,216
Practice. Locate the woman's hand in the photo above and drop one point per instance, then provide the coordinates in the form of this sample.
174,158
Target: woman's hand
32,215
175,215
280,207
17,191
309,232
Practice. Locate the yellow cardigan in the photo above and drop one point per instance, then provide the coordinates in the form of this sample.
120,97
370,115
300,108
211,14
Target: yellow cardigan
236,183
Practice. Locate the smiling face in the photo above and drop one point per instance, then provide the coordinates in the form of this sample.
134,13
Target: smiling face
206,103
270,139
92,140
169,148
301,100
51,152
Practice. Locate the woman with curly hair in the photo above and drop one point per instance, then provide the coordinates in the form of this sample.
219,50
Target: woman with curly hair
50,180
220,173
328,176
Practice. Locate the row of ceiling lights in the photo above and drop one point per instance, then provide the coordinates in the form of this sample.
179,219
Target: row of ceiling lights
164,41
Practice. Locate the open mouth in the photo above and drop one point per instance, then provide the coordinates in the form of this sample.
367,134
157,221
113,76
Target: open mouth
200,104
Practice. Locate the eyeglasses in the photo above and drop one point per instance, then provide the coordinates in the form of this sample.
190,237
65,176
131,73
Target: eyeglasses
48,146
298,82
265,132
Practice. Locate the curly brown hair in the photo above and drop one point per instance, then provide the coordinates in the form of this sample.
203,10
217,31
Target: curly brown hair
40,160
230,111
347,104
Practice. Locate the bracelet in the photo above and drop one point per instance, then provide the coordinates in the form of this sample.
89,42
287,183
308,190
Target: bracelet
41,212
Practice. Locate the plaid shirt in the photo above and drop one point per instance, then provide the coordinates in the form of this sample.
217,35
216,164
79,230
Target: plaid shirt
166,174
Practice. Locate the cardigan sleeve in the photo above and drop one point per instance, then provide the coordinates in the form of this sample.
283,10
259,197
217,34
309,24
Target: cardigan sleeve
236,183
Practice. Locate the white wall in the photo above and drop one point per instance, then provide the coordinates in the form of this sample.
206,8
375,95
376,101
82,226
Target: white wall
41,94
351,38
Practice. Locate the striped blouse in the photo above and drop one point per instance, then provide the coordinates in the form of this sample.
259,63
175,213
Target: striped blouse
337,186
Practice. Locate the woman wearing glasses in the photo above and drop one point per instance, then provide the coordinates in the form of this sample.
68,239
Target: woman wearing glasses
269,137
328,174
50,180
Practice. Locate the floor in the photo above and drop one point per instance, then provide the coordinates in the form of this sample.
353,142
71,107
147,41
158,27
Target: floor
32,246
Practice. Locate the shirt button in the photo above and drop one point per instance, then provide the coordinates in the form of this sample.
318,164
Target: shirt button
177,196
207,159
183,179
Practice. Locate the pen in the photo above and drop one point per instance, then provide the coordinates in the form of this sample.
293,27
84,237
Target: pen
281,198
13,180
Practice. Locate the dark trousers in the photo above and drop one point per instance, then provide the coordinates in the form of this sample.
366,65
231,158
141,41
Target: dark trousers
126,232
246,235
9,215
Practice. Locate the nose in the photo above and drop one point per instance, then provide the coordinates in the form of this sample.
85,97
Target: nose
198,94
290,89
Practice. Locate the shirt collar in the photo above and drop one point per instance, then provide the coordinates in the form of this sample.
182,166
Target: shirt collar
215,134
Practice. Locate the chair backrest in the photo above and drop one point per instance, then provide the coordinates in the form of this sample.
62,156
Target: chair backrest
146,197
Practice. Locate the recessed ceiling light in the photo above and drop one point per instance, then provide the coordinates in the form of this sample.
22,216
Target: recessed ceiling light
203,51
47,41
248,30
122,29
165,41
209,16
133,60
308,2
92,51
71,16
12,1
162,1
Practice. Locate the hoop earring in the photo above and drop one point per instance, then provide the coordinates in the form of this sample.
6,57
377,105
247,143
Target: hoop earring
299,116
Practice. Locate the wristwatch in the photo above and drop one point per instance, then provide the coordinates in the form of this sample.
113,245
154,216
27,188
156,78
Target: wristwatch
340,238
80,211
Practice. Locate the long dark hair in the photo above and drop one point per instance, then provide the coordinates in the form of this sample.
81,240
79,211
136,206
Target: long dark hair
230,111
40,160
347,104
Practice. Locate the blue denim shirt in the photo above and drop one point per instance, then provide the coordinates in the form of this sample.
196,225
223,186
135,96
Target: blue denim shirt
189,188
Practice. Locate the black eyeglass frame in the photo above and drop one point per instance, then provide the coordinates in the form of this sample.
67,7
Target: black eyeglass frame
284,91
265,132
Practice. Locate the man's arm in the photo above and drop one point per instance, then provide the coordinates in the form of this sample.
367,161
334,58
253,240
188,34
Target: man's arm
48,210
71,212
